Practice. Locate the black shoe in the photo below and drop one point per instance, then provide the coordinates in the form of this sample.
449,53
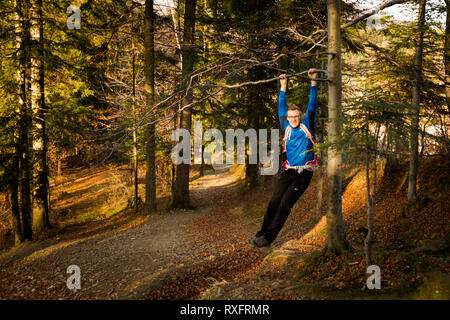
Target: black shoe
252,240
259,241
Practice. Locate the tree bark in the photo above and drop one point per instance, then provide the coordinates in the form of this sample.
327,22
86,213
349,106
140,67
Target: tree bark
24,121
336,237
202,165
320,176
150,176
181,194
176,25
368,239
414,141
14,200
58,169
321,168
447,55
251,170
173,166
15,165
370,198
135,152
40,171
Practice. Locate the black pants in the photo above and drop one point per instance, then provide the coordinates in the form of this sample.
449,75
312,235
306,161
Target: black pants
289,188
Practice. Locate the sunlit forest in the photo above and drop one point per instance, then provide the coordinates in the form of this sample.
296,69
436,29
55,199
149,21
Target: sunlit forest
101,99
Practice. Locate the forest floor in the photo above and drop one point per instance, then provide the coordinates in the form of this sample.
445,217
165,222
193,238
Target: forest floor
203,253
126,256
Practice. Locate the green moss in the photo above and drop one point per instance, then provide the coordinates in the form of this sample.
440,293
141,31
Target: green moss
87,216
324,231
435,286
110,211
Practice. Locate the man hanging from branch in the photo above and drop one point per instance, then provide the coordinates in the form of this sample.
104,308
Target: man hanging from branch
301,160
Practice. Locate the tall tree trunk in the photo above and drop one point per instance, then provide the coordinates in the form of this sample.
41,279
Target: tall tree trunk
336,237
45,174
391,159
58,168
205,42
320,173
24,124
368,239
252,170
15,164
150,176
205,47
14,200
370,198
202,165
253,107
135,152
40,173
414,142
176,26
320,176
447,55
173,167
181,194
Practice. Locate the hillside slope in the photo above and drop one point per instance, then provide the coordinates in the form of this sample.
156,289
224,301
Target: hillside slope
296,268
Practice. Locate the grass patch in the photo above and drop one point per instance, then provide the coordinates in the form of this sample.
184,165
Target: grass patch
435,286
110,212
87,216
324,231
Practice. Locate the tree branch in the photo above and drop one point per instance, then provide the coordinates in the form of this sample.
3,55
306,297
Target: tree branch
373,11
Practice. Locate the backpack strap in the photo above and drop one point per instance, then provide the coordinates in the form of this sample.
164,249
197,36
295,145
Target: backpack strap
308,134
287,135
310,165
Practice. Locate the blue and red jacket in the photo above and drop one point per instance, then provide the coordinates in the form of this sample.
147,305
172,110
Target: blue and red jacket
299,149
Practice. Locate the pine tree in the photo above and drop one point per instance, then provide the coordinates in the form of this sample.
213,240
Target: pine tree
40,169
24,118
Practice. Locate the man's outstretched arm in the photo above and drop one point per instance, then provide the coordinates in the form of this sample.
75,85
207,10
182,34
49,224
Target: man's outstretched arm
309,118
282,105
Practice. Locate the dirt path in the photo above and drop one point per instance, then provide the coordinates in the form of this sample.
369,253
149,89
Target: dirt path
191,249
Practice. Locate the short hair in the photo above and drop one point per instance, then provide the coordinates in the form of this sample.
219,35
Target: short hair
293,107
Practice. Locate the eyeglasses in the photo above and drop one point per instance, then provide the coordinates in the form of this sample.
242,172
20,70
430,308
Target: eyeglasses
293,117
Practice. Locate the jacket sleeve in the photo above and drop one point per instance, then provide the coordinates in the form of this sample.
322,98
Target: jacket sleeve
282,110
310,115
